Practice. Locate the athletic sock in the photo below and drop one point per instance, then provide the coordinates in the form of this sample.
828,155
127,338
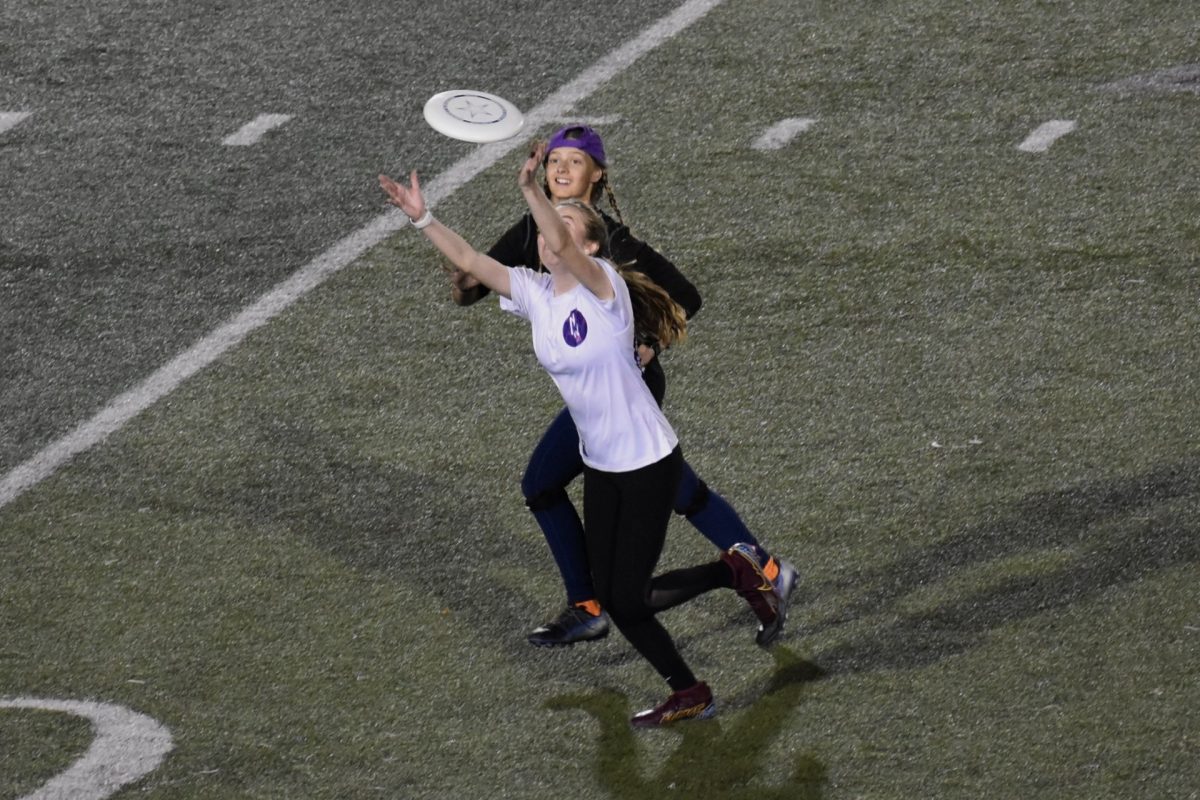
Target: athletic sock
590,606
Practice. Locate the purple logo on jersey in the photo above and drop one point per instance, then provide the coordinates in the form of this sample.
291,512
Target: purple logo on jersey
575,329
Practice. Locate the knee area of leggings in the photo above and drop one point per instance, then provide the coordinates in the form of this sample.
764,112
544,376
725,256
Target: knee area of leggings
540,500
693,502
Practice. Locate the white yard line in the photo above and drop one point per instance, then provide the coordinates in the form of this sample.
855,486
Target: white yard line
255,129
11,119
167,378
781,133
126,746
1045,135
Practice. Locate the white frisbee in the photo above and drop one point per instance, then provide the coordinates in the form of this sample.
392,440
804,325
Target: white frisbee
473,116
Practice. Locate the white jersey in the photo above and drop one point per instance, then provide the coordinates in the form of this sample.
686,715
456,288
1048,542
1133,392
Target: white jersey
586,344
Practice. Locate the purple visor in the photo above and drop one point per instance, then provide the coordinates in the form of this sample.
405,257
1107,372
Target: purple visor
581,137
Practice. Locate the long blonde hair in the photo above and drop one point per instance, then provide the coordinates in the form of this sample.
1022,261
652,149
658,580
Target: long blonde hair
655,314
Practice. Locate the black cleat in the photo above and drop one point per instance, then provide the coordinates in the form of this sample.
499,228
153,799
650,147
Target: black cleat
575,624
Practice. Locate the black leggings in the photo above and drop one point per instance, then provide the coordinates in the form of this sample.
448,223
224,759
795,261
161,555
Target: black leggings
625,527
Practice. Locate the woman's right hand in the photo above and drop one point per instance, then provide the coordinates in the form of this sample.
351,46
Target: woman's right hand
407,199
461,280
527,177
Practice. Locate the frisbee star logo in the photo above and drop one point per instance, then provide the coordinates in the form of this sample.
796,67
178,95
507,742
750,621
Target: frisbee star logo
473,108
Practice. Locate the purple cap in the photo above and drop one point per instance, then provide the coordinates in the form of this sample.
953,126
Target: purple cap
581,137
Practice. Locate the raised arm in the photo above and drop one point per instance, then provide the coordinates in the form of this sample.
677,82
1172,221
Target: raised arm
409,199
516,248
554,231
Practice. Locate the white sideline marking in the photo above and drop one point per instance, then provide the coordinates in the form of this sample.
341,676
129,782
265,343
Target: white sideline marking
1046,134
254,130
167,378
127,745
11,119
778,135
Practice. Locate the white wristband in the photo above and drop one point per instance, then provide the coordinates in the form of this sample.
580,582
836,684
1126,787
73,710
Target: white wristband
423,221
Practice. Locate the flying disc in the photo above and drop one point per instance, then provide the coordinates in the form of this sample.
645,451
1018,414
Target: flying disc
473,116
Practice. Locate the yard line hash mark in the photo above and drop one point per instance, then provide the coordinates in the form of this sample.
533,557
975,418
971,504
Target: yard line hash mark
781,133
11,119
255,129
1046,134
593,122
167,378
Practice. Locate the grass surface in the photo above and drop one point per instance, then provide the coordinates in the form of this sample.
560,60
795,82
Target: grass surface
954,382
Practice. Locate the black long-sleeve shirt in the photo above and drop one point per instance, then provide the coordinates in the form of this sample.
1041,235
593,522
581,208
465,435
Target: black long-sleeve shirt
518,248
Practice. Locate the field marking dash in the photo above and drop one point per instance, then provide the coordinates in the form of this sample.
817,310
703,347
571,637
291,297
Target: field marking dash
11,119
591,122
781,133
1046,134
255,129
167,378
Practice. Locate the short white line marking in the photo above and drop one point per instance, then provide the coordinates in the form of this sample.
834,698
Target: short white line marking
254,130
11,119
781,133
127,745
167,378
1046,134
592,122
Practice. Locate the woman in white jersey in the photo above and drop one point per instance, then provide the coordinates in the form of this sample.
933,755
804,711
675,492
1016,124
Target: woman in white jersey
582,318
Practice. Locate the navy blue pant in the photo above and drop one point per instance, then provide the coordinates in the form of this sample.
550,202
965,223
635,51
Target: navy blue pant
556,462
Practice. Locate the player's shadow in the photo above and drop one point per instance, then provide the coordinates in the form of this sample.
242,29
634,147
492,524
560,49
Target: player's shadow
421,528
1109,534
1115,532
715,758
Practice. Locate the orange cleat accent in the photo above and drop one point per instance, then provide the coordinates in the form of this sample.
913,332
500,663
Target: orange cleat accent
771,570
590,606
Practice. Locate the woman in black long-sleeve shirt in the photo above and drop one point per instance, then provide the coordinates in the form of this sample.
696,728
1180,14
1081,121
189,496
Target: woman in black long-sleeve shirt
576,168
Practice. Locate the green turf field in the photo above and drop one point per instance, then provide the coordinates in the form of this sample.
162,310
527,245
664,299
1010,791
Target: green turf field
955,382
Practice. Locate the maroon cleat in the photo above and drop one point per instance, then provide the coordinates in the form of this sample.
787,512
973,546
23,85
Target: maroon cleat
752,583
692,703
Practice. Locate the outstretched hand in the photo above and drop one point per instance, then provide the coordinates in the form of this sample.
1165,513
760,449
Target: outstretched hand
527,177
406,198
